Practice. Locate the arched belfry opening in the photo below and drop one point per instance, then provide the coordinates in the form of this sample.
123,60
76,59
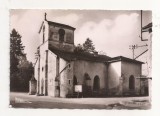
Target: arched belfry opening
61,35
96,83
131,82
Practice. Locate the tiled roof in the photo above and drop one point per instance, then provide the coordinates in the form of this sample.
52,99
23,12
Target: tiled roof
122,58
56,24
60,24
78,56
89,57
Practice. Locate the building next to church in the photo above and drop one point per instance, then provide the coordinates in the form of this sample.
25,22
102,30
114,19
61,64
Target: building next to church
60,71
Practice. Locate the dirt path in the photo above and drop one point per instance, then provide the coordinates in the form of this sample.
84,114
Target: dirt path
23,100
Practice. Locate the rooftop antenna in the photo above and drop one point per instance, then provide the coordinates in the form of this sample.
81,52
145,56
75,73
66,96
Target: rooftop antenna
45,16
133,47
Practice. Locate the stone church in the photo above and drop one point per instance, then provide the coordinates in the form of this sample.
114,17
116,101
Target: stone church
62,72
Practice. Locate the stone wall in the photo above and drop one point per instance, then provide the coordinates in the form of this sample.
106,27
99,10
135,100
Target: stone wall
118,78
45,26
93,69
36,69
114,74
61,46
51,73
43,49
129,69
66,84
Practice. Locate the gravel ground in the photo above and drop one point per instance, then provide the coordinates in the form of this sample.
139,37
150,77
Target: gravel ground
23,100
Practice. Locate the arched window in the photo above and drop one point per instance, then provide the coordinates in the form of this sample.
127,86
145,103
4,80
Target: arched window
96,83
75,81
131,82
61,35
43,34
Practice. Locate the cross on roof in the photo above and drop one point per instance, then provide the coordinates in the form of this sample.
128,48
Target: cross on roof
45,15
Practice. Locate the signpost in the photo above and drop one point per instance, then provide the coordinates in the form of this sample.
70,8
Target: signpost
78,89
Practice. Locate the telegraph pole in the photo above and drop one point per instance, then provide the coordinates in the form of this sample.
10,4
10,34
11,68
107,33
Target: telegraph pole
132,47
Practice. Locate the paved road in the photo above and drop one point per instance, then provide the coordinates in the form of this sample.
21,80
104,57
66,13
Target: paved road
23,100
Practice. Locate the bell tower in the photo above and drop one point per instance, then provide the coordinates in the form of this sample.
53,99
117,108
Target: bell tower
60,36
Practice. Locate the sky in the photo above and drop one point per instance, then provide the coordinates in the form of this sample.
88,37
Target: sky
111,31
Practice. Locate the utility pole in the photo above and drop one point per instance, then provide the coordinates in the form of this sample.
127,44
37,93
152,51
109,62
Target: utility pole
132,47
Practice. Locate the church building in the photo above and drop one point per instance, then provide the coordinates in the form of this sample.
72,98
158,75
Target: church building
60,71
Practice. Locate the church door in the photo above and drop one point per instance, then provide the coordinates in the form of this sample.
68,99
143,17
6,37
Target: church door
96,85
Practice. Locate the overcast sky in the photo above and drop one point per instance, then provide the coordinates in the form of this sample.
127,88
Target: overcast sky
110,31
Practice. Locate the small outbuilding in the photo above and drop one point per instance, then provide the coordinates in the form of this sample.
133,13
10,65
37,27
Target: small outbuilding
32,86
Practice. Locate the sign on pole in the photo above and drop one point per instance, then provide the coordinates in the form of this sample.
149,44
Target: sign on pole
78,88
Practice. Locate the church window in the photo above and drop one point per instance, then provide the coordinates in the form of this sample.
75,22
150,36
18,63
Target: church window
96,83
61,35
131,82
43,34
57,65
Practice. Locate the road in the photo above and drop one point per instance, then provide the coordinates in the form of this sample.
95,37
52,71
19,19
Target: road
23,100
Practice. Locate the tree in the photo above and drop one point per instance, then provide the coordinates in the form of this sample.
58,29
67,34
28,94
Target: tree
79,48
25,74
16,50
21,70
16,43
88,46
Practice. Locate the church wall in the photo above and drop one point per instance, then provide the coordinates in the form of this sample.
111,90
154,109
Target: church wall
41,37
43,49
129,69
51,73
92,69
44,33
61,46
66,86
36,70
114,74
